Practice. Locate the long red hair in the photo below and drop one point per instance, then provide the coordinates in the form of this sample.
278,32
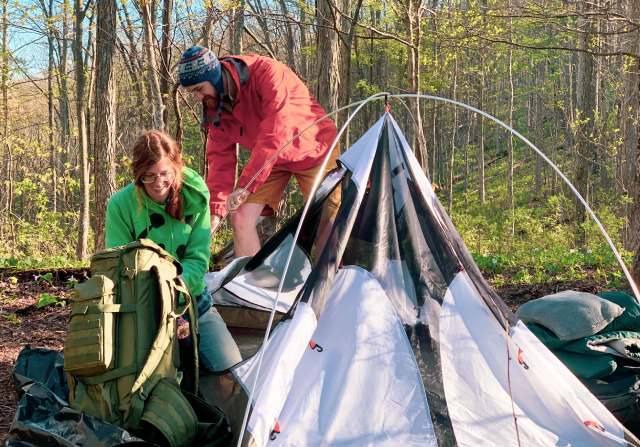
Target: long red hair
150,147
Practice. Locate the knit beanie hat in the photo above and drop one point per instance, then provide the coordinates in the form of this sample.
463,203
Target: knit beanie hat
199,64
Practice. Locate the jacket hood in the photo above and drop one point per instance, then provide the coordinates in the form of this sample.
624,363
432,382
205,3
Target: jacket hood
194,190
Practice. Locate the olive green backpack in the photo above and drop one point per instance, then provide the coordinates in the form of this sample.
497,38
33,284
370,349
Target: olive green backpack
121,352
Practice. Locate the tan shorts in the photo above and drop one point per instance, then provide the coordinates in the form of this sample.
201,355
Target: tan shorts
271,190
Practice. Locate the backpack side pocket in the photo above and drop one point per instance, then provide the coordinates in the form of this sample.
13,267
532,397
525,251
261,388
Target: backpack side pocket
89,346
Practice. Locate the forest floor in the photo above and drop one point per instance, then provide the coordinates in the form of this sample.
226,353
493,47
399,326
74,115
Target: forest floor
23,323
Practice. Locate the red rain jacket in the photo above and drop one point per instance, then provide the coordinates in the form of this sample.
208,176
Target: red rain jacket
272,106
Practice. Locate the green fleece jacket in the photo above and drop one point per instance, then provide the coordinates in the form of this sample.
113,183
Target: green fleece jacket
132,215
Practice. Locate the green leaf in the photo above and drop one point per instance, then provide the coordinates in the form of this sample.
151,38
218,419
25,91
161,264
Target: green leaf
47,277
12,318
46,299
72,281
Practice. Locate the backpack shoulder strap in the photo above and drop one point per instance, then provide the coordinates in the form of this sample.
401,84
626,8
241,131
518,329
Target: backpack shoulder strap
146,380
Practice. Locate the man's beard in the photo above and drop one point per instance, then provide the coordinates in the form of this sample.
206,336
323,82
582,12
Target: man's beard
210,102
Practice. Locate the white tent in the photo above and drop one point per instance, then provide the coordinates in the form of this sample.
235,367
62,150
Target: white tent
392,337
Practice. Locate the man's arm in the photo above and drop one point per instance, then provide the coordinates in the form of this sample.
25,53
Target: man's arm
221,175
274,130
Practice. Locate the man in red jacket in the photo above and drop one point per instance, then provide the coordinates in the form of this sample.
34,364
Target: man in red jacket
261,104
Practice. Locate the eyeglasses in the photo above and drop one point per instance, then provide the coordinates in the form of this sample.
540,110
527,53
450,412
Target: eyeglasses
163,176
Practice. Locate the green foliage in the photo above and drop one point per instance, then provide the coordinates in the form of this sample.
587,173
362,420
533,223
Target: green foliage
12,318
491,263
222,237
47,277
545,244
71,281
366,89
48,241
47,299
35,197
464,52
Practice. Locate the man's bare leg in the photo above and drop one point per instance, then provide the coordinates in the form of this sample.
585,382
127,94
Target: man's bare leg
245,235
327,220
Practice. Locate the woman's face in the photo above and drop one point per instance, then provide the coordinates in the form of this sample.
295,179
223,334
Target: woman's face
157,180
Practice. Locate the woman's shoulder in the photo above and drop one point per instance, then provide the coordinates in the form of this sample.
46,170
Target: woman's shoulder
194,188
124,196
191,177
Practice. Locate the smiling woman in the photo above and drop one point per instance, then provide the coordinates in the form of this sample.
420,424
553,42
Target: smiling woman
158,186
169,204
157,167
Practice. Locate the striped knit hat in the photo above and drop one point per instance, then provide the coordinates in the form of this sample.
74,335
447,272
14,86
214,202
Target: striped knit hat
199,64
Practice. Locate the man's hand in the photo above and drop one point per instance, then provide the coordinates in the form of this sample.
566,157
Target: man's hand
236,198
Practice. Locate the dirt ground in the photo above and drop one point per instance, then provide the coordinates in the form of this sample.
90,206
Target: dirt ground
22,323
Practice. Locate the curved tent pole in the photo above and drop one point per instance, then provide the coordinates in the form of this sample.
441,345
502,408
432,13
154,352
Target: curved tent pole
385,96
360,104
307,205
632,283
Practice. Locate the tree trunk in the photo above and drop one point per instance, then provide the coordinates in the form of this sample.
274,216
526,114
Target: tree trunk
157,105
165,59
105,114
83,145
346,43
63,101
635,214
260,14
327,56
585,103
291,46
510,140
134,65
482,195
238,28
435,173
65,125
538,122
6,159
205,36
454,132
413,22
304,58
48,13
629,115
600,130
470,127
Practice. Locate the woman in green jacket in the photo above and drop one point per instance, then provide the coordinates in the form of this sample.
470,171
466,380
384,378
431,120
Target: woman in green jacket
169,204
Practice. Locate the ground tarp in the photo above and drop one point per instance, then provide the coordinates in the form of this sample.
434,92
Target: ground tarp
44,418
